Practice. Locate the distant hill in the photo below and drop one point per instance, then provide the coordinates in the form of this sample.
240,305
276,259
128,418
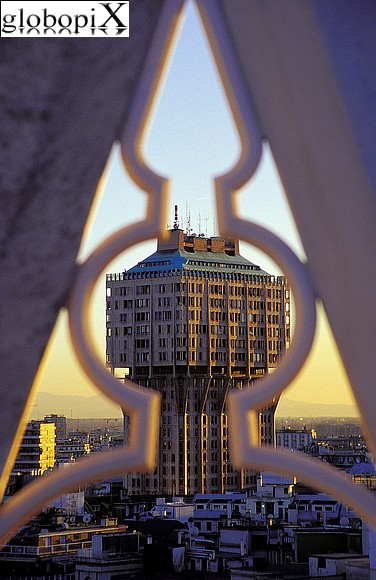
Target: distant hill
72,406
290,408
101,407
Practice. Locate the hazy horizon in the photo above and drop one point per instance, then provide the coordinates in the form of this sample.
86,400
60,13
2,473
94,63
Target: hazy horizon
98,406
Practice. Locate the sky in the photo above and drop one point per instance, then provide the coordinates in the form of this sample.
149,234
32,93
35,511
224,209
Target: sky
191,139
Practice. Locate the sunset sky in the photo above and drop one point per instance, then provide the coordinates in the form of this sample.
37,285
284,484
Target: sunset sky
192,139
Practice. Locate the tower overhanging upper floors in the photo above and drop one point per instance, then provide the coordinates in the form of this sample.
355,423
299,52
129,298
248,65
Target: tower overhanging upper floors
194,320
196,306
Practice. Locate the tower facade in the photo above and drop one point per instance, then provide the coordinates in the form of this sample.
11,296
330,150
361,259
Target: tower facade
194,320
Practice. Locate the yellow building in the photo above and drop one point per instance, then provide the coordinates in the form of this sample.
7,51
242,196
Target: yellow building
37,450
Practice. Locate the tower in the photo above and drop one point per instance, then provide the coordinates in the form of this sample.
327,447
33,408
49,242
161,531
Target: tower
194,320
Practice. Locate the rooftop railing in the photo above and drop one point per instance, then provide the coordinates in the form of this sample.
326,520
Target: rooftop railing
22,551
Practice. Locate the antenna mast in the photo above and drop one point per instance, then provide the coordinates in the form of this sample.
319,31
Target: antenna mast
188,230
176,222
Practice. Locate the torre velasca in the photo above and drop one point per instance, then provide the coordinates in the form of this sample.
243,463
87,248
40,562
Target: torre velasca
194,320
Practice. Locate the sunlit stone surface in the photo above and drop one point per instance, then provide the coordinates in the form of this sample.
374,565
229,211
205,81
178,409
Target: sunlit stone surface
63,103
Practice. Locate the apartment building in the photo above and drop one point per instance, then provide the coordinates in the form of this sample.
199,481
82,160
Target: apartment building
61,428
295,439
37,450
194,320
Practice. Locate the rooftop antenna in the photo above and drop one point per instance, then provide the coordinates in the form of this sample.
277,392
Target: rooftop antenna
188,230
176,222
199,224
206,227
